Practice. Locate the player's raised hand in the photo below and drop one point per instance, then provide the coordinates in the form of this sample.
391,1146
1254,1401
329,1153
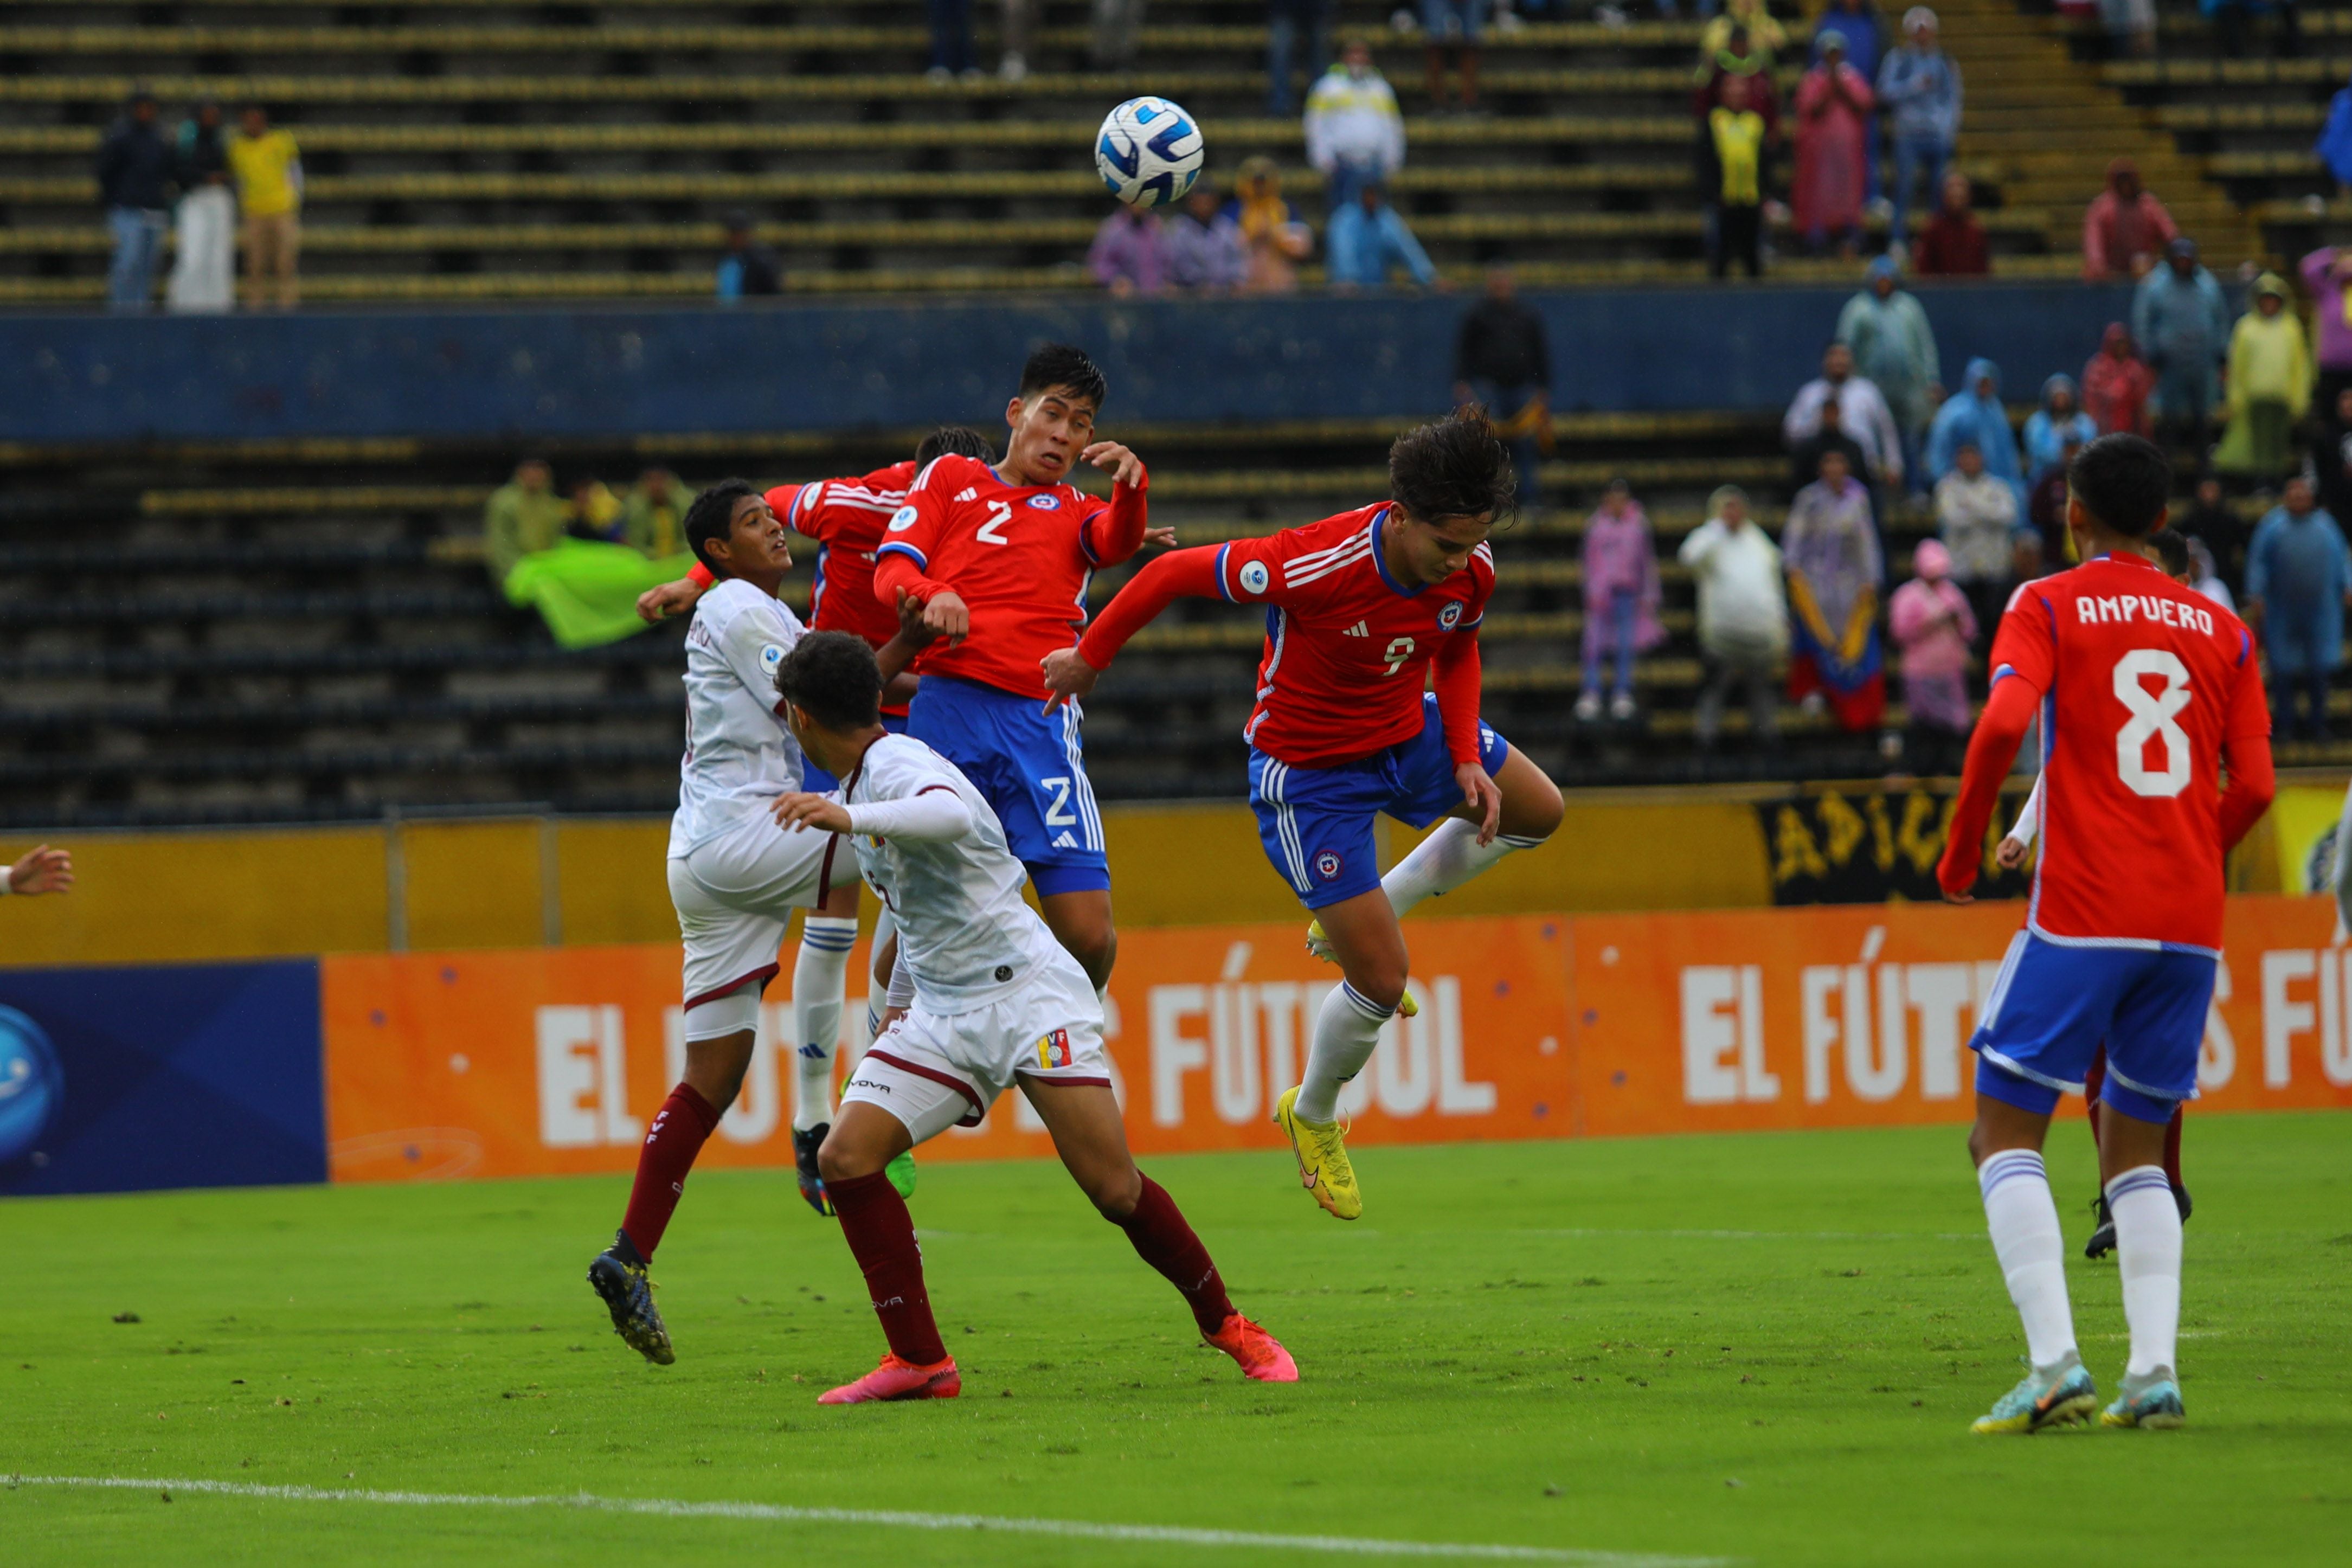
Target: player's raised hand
1160,537
44,870
1066,675
656,605
914,629
948,616
1480,795
1123,465
799,809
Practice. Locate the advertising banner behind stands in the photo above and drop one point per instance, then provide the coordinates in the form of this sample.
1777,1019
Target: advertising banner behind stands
551,1061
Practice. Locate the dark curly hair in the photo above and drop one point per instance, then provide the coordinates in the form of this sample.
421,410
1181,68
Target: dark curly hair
954,439
832,677
1454,468
2124,481
711,516
1060,364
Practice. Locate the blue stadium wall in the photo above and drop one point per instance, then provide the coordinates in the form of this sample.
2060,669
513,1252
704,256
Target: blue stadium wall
822,367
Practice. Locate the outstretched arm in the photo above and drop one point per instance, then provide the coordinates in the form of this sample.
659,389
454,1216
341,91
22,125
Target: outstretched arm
1180,573
2008,714
1115,535
1454,677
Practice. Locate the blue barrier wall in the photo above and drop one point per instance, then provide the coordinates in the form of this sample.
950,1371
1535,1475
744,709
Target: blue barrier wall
524,374
192,1076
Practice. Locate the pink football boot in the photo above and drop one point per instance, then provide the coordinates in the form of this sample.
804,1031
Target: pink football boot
1261,1356
897,1379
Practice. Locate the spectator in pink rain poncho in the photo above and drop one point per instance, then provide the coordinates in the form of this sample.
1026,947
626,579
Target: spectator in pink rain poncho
1933,628
1621,599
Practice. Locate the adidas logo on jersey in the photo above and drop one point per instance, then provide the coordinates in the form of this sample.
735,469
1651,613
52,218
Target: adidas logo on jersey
1062,840
1360,629
968,493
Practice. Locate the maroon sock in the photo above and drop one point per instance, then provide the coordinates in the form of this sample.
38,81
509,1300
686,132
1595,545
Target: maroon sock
881,1236
2172,1149
1165,1241
679,1132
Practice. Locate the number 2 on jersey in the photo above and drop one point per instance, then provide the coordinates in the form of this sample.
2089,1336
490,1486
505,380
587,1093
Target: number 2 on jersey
999,514
2152,718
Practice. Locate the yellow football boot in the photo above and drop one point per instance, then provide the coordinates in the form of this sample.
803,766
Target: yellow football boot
1323,1166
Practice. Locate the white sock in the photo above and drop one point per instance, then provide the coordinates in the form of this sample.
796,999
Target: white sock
820,980
1444,861
2147,1254
1346,1030
2024,1219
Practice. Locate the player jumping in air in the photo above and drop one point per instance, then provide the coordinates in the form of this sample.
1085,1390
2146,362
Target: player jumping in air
734,878
993,1001
846,518
2172,555
1363,610
2144,690
1001,558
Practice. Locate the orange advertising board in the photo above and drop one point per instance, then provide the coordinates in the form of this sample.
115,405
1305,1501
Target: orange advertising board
548,1062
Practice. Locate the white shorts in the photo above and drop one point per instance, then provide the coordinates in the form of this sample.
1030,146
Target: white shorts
934,1070
735,895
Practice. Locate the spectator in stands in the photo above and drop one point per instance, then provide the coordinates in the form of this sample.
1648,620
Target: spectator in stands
1738,146
1286,22
2131,25
1863,416
748,268
1455,27
1975,515
1833,108
1919,90
1275,240
2049,427
204,273
1753,18
2045,504
653,514
1621,599
1355,136
523,517
1130,254
2126,229
2117,385
2025,557
1835,570
1830,434
1934,627
1953,242
1857,23
2233,19
2268,386
2212,521
1894,347
2298,577
2327,274
268,167
1020,40
1367,239
1110,45
2183,326
1203,245
135,185
1975,416
1743,615
2333,147
1738,57
2203,577
951,43
1502,359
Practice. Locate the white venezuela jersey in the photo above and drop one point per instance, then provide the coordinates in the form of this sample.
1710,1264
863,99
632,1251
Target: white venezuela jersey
963,931
738,755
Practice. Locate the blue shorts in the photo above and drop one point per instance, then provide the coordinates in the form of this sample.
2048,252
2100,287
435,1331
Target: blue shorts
2052,1004
1030,767
1317,823
816,781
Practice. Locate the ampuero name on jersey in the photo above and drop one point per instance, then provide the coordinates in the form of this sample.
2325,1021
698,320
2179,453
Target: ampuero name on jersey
2094,610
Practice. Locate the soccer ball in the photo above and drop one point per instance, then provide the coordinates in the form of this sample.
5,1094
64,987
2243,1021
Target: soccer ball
1149,152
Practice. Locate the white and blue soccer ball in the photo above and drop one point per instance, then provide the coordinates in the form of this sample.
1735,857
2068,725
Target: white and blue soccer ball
1150,152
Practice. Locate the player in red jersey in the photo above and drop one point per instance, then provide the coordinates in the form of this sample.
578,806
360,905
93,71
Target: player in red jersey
845,517
1365,613
2146,691
1001,558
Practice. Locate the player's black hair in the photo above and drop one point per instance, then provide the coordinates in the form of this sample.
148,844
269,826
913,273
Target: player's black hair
833,678
1060,365
712,516
956,439
2171,551
1454,468
2124,481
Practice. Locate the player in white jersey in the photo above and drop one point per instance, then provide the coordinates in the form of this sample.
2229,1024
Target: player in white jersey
992,1001
734,877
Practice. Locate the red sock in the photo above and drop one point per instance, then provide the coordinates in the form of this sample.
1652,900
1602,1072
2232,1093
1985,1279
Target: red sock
881,1236
679,1132
2172,1148
1165,1241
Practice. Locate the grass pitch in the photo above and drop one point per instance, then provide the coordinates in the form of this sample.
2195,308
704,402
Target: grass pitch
1760,1348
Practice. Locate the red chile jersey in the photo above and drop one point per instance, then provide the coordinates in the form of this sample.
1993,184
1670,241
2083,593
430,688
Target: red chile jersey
1021,557
2144,686
846,517
1348,648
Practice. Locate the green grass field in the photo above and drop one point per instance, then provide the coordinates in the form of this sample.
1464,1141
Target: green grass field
1760,1348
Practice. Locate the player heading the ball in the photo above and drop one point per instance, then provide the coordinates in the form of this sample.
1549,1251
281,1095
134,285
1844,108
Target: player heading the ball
2146,690
992,1001
1367,702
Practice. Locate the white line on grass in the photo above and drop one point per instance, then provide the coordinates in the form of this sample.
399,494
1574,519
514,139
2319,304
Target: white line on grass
1758,1234
1151,1534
